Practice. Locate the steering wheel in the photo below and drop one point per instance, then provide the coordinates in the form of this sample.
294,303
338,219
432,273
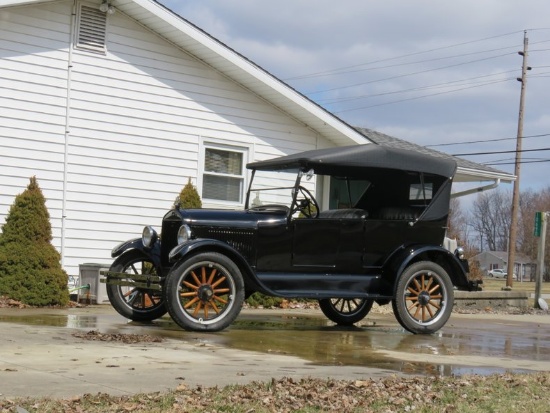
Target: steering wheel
306,203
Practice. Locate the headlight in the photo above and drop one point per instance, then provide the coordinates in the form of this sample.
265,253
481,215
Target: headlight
459,252
184,234
149,236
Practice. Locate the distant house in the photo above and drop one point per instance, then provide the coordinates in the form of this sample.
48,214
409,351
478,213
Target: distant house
114,105
524,267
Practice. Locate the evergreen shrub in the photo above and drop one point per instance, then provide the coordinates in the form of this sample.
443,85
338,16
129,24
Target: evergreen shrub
189,197
30,269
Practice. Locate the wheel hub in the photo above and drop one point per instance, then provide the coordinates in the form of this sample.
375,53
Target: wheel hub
205,293
424,298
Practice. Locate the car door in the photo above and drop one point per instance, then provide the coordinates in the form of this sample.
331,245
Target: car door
327,244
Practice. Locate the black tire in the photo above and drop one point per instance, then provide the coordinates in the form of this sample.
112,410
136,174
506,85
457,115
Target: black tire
137,304
424,298
204,292
345,311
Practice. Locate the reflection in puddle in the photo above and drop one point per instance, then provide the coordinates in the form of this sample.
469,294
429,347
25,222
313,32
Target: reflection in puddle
319,341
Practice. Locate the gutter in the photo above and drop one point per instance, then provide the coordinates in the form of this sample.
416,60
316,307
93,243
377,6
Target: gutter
476,190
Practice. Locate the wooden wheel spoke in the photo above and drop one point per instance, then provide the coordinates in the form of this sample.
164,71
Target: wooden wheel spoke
413,292
128,293
214,306
221,300
411,298
430,311
418,309
436,297
206,305
203,275
197,308
212,275
188,294
418,285
189,285
436,287
415,304
197,281
429,283
222,279
434,304
423,313
221,290
190,303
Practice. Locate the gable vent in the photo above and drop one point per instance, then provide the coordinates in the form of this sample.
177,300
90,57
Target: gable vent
92,27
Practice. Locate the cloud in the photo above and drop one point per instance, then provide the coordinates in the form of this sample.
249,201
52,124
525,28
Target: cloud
426,71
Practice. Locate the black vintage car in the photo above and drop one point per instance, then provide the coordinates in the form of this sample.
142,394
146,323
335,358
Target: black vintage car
380,241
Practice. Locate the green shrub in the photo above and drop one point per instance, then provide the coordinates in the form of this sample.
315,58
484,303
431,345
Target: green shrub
189,197
30,270
260,300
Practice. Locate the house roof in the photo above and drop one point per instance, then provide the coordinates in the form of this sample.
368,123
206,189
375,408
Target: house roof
503,256
233,65
467,170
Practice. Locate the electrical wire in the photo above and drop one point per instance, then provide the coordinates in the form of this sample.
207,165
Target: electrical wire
496,152
487,140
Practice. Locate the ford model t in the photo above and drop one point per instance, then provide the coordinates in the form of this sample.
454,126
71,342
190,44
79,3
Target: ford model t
377,238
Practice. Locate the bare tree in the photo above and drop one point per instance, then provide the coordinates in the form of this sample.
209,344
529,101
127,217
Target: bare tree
491,217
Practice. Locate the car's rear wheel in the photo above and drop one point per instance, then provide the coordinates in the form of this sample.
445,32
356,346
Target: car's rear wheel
345,311
424,298
204,292
137,304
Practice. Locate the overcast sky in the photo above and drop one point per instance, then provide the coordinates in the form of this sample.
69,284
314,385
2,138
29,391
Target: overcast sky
427,71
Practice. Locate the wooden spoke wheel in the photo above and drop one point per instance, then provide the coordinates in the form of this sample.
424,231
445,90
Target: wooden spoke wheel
345,311
204,292
424,298
137,304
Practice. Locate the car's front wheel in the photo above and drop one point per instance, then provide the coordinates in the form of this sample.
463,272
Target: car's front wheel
424,298
345,311
204,292
135,303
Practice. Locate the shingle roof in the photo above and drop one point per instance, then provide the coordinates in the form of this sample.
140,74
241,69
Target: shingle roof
463,164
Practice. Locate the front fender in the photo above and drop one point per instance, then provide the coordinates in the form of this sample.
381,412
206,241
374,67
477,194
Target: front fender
137,244
406,256
182,251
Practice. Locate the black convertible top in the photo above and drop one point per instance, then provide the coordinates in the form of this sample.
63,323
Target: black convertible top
346,160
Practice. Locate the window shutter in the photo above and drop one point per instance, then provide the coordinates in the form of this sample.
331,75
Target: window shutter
92,27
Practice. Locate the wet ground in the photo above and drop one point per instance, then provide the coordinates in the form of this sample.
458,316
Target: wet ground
268,343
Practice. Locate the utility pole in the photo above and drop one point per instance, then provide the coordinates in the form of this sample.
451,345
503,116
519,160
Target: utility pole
515,196
540,231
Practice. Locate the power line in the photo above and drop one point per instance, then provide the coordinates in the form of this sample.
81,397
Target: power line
409,54
512,163
436,86
487,140
419,97
497,152
407,74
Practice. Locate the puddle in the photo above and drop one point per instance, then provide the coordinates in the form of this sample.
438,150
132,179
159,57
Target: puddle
319,341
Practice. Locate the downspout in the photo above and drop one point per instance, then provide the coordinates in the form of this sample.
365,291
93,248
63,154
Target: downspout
477,190
67,132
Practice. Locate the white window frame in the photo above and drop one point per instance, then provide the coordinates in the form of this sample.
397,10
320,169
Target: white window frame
215,144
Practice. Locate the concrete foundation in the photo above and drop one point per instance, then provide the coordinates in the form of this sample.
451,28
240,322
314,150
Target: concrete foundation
493,299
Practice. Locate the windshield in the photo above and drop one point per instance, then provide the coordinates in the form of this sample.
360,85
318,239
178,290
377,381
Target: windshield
275,188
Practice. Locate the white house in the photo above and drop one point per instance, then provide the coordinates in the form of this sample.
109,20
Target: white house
114,105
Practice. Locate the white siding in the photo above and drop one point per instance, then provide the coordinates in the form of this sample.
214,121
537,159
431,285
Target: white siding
138,116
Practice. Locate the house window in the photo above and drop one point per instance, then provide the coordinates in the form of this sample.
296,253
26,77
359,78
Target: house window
92,28
223,174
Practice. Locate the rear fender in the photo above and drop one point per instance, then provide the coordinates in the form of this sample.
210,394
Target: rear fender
406,256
